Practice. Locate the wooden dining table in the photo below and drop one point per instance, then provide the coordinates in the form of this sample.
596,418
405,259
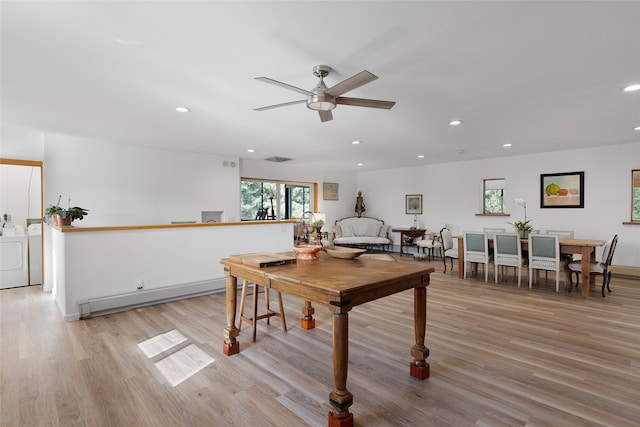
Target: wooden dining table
339,285
585,247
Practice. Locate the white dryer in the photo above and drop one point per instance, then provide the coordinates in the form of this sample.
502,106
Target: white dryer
14,267
34,232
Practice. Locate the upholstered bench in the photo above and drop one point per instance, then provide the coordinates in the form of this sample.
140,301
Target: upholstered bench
362,232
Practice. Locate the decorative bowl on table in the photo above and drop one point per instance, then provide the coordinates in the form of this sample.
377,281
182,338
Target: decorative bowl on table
344,253
408,240
307,251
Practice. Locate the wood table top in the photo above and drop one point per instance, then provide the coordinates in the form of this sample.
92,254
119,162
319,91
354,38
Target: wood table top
334,281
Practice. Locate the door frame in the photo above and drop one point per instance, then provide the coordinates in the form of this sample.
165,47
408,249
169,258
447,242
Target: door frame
39,164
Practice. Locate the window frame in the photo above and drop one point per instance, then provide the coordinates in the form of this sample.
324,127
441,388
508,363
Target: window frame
279,201
484,196
635,198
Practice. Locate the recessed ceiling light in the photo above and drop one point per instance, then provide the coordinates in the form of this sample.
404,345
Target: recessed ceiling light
507,144
632,88
182,109
251,150
455,122
360,164
355,142
421,156
636,128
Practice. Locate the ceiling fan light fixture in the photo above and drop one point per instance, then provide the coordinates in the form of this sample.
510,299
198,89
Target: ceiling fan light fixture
321,102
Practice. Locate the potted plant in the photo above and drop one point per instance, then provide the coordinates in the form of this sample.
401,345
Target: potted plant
318,224
523,227
56,215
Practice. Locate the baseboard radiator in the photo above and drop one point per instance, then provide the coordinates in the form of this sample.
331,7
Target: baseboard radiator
90,307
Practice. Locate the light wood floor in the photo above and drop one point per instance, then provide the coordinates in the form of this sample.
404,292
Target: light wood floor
500,356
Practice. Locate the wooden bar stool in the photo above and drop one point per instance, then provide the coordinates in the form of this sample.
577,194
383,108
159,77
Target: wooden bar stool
268,313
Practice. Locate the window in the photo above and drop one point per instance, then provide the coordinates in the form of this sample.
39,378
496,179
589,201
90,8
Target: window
635,195
493,196
282,200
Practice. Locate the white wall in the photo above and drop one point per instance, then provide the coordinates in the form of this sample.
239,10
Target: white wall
452,194
91,264
18,143
131,185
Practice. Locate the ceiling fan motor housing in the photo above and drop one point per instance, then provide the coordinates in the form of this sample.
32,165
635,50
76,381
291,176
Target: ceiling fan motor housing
319,101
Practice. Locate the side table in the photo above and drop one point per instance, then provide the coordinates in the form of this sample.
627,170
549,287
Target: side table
413,233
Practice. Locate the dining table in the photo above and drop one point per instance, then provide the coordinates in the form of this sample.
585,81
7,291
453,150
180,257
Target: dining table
586,248
339,285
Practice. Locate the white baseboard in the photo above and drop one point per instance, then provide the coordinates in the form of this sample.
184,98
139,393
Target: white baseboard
624,270
89,307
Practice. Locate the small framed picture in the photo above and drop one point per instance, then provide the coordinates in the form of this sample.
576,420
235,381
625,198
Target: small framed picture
329,191
413,204
562,190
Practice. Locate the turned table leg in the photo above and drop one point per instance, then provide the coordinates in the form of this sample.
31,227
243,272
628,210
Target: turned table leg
340,398
231,345
419,368
307,321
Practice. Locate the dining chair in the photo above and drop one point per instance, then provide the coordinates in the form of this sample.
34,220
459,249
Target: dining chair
544,254
253,320
596,267
476,251
507,252
567,258
566,234
430,246
448,251
493,230
563,234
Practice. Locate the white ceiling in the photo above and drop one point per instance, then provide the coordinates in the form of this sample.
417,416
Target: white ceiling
544,76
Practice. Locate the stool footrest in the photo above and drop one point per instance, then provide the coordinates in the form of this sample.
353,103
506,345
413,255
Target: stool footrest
255,316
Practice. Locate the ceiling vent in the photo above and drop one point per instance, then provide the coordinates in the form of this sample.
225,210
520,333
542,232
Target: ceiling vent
277,159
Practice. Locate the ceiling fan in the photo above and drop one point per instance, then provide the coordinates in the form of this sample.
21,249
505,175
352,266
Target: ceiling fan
324,100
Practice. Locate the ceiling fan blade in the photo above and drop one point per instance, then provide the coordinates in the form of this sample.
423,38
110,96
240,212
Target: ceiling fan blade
284,85
325,116
359,102
279,105
362,78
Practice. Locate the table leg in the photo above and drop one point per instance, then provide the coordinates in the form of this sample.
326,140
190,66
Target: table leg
460,259
401,243
586,259
419,368
308,322
231,345
340,398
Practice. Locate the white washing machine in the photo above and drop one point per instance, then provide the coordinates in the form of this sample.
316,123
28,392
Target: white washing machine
14,266
34,232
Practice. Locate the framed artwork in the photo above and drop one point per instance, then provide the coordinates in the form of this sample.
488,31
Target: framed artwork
329,191
562,190
413,204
